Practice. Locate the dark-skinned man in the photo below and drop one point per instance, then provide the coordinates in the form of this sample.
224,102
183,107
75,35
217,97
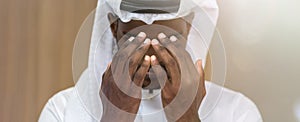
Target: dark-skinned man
145,64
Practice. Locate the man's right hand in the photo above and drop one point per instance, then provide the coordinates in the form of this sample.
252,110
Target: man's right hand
122,81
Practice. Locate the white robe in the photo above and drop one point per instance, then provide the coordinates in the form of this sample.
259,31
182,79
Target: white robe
65,106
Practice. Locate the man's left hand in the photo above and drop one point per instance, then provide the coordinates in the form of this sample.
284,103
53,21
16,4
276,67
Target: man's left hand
184,87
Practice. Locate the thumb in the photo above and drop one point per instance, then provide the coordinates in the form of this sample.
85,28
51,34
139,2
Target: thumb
108,65
107,68
199,67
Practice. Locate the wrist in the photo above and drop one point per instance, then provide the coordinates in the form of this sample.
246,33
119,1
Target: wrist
117,118
189,117
113,116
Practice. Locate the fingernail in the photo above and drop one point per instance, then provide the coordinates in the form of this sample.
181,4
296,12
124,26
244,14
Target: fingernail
147,41
199,62
153,58
161,36
142,34
131,39
154,42
173,38
147,58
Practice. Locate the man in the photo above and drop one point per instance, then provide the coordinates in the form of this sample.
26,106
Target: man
148,51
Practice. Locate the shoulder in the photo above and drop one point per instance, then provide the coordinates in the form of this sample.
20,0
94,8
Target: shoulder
62,97
230,104
55,107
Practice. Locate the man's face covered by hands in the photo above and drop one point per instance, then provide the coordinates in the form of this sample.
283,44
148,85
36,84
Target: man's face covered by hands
152,57
179,27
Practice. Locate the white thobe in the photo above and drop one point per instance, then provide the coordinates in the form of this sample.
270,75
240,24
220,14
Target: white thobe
232,107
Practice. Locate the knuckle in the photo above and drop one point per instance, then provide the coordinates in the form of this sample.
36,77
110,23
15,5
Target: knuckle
137,41
160,48
142,48
179,44
122,55
144,65
164,41
132,61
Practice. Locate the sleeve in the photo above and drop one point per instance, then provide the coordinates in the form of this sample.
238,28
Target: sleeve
246,111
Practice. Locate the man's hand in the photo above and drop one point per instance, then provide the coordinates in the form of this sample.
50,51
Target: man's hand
122,81
184,88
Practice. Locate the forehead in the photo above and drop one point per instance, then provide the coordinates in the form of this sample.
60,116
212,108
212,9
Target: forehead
176,24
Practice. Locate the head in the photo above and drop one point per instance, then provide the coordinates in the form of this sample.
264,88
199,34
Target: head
169,27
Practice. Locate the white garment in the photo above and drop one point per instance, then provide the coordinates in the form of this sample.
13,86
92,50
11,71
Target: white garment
65,106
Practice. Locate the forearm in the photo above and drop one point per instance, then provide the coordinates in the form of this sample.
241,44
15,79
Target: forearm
115,114
187,117
117,117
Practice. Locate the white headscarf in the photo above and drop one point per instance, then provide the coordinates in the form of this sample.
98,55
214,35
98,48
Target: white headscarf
103,44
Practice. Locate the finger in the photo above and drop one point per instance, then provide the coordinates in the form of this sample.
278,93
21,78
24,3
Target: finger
177,41
176,49
154,61
159,73
104,82
142,71
166,42
167,88
125,41
170,63
135,43
202,77
124,52
107,70
137,56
